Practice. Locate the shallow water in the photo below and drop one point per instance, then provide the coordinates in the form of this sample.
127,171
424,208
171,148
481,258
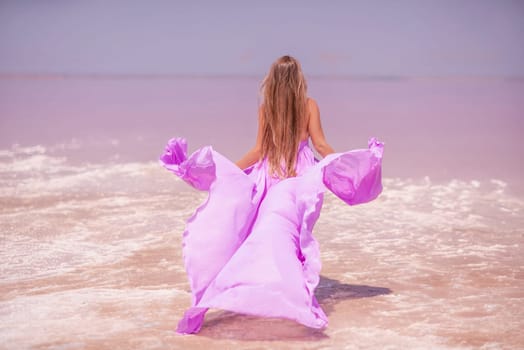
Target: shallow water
454,128
91,258
91,224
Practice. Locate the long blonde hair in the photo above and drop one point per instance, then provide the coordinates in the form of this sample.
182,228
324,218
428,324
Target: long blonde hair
284,91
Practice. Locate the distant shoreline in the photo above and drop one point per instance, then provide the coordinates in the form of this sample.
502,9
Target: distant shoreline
176,76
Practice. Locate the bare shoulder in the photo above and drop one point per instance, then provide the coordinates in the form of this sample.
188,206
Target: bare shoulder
312,107
312,104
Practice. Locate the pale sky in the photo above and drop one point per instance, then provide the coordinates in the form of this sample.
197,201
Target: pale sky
368,38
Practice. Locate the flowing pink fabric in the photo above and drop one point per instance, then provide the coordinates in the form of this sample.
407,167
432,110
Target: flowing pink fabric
249,247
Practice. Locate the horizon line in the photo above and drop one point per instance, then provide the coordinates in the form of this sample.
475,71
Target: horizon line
153,76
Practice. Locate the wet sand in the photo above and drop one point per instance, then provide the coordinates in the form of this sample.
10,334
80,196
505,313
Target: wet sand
91,259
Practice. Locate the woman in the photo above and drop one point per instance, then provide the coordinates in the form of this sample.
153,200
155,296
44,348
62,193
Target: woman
287,115
249,247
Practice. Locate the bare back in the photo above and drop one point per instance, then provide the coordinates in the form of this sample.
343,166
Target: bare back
312,129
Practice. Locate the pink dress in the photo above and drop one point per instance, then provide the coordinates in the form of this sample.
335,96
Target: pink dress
249,247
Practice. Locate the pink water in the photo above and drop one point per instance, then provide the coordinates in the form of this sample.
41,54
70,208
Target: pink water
91,230
442,128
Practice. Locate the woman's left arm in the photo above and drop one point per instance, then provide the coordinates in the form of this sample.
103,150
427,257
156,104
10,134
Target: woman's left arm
253,155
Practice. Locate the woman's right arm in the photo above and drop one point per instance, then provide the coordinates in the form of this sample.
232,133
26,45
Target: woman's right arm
315,130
